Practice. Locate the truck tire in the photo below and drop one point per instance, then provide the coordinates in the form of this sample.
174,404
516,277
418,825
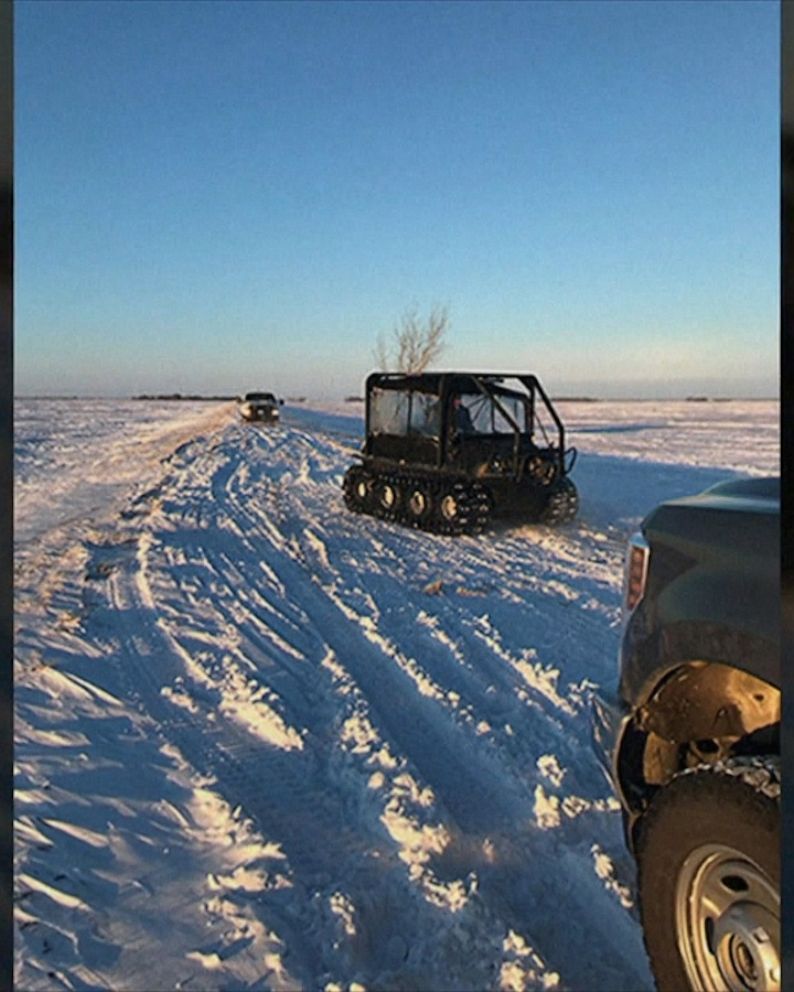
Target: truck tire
709,878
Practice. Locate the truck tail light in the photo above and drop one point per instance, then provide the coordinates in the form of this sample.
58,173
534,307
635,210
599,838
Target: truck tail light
636,571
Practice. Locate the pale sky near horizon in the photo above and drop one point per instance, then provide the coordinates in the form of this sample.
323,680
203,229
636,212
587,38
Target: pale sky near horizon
218,197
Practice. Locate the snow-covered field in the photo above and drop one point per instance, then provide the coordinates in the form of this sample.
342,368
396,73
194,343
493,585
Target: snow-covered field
262,743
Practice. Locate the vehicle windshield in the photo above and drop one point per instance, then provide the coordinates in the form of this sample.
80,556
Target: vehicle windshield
397,412
260,397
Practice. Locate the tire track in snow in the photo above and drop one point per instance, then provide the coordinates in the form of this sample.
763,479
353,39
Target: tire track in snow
317,838
412,839
275,788
285,523
285,559
232,763
290,530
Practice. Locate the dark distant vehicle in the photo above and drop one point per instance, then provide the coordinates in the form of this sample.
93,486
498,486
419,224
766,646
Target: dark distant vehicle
444,451
691,742
260,406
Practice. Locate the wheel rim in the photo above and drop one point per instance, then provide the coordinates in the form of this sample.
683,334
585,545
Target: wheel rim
449,507
388,496
728,922
361,489
417,504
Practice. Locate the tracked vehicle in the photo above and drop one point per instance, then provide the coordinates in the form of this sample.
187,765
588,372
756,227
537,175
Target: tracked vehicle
445,451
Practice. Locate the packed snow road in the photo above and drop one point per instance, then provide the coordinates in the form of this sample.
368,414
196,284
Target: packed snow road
265,744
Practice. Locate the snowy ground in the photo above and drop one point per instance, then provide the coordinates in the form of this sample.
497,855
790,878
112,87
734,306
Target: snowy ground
264,744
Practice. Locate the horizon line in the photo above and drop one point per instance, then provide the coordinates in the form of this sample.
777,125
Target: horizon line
560,398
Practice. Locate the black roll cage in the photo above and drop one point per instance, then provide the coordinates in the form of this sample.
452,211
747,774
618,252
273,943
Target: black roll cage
446,384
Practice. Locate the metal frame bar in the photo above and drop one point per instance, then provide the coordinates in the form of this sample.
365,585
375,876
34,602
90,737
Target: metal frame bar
489,394
553,414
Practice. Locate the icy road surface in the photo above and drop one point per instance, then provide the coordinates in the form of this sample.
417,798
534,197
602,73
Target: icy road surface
262,743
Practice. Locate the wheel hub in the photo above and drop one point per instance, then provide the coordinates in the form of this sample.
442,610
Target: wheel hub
744,946
728,922
449,507
361,489
388,496
417,504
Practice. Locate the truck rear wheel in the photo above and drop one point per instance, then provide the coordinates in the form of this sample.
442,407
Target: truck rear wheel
709,879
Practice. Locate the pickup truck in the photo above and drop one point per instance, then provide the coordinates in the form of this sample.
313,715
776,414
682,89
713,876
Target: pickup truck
691,738
260,406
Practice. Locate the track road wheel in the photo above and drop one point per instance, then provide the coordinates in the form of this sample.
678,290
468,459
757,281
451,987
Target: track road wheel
562,503
450,510
709,879
449,507
387,497
357,488
418,503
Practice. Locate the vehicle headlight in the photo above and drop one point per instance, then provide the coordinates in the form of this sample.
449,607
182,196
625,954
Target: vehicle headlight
636,574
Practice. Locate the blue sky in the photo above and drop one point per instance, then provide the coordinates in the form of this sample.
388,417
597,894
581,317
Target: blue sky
219,197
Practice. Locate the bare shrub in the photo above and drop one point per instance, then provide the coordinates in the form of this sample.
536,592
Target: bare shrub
415,342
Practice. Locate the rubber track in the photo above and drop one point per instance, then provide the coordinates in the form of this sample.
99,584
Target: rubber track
473,501
562,504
